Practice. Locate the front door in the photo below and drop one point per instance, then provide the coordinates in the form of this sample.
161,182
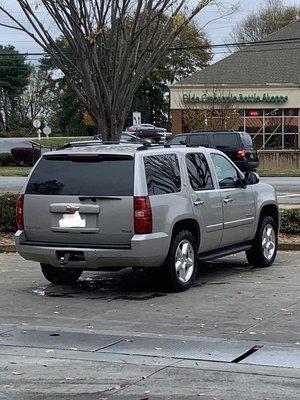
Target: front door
238,203
206,201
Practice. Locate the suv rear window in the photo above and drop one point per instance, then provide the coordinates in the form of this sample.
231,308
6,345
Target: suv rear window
162,174
223,140
246,139
107,176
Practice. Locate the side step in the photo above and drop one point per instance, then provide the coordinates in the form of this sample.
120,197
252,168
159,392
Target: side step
224,251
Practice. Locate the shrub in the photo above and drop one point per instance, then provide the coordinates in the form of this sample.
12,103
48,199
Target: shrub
5,159
7,213
290,221
25,156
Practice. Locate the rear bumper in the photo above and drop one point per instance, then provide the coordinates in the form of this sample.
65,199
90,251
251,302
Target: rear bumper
247,165
145,251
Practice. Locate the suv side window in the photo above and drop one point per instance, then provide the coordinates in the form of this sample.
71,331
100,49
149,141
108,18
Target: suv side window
199,140
226,173
178,139
226,140
162,174
198,171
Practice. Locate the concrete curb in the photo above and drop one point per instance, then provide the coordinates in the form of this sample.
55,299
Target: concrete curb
11,248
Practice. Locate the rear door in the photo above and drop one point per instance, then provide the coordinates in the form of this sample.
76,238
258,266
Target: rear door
206,201
81,199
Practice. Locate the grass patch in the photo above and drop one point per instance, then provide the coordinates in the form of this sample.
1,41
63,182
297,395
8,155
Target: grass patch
278,172
57,142
14,171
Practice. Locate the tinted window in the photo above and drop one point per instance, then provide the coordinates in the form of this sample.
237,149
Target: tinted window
199,140
226,173
162,174
106,177
223,140
246,139
178,139
198,170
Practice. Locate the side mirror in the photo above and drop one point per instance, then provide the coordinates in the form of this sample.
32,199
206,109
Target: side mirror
251,177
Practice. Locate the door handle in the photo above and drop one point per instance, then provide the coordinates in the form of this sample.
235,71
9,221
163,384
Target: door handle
228,200
198,202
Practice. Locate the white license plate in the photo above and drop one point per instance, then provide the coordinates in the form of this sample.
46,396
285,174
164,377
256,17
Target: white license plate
72,221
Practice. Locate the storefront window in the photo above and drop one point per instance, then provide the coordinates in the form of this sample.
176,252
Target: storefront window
273,125
291,112
273,141
254,113
273,112
291,141
254,125
290,124
257,141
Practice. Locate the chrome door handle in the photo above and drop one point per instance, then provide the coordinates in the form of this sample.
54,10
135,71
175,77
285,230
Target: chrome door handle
198,202
228,200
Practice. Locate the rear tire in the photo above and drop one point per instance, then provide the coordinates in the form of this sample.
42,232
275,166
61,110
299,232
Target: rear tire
264,248
180,267
60,276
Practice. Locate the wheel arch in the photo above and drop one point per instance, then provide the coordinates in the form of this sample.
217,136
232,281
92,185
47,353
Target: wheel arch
191,225
270,210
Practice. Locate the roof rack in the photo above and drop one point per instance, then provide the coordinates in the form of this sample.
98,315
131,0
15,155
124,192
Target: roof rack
92,143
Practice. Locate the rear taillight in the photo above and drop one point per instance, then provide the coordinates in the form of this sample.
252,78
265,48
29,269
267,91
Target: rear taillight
19,213
241,153
142,215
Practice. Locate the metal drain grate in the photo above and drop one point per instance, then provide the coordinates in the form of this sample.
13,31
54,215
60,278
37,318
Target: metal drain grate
247,353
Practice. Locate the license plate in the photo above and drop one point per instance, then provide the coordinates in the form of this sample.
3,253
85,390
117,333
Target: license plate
72,221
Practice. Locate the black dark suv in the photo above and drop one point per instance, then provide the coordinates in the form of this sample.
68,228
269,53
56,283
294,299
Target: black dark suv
236,145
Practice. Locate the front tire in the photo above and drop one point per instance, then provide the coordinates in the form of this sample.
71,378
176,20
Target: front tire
180,266
60,276
264,248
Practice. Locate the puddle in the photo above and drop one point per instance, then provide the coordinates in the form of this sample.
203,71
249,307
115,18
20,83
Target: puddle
40,291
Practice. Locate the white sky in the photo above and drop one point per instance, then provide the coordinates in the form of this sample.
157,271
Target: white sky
218,30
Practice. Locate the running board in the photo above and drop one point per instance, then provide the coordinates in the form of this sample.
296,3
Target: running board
224,251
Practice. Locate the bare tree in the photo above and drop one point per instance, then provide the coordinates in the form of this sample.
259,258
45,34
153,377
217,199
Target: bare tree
270,17
218,111
113,45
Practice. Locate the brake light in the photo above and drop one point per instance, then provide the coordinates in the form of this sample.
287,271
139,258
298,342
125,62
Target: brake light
241,153
142,215
19,212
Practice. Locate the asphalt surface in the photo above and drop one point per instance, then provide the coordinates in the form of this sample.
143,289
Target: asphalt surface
110,336
6,144
288,188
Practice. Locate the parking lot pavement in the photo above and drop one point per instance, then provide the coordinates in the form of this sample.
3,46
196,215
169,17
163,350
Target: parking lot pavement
121,336
229,300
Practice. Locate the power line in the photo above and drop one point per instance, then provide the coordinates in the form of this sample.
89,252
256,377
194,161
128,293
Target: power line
203,46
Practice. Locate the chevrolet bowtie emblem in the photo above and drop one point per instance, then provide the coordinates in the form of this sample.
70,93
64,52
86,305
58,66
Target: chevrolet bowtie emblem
72,209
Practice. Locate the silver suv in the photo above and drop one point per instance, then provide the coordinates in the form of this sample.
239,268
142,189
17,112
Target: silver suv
109,206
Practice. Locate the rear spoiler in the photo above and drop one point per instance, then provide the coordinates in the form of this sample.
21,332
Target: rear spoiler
85,157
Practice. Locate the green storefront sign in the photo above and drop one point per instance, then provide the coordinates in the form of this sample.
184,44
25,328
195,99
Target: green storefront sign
240,98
